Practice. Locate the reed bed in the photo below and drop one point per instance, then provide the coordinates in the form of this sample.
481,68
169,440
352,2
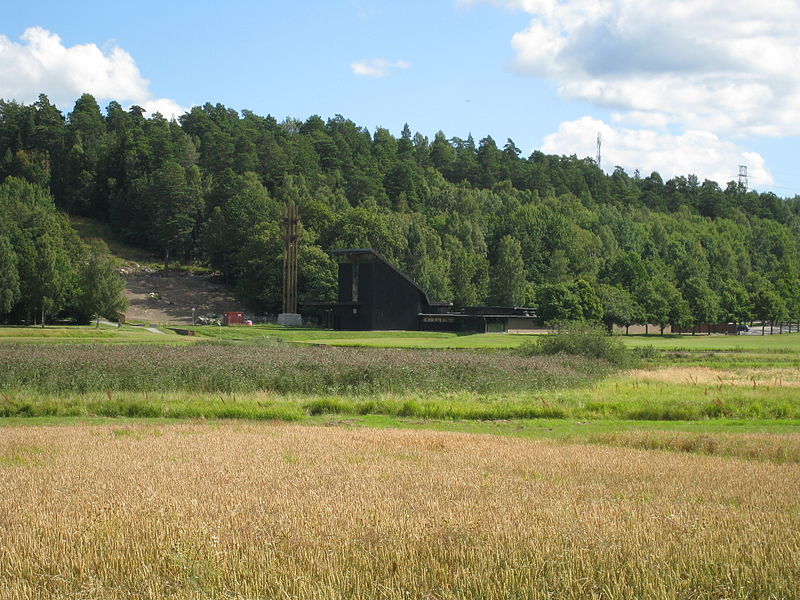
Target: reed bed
249,510
228,368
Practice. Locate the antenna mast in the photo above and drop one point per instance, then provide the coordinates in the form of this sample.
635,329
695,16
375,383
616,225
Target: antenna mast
743,177
599,145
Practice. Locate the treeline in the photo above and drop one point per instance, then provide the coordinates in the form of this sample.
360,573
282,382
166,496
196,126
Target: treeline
472,222
45,269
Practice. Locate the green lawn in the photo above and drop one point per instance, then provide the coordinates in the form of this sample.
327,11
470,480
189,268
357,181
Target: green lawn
776,441
382,339
754,345
376,339
433,339
559,429
731,343
88,334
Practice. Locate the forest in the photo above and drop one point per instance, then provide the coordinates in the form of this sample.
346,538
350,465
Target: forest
472,222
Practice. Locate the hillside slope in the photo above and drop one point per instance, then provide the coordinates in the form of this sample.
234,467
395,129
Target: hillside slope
158,295
168,295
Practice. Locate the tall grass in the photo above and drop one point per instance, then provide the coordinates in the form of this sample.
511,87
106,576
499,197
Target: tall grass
253,511
225,368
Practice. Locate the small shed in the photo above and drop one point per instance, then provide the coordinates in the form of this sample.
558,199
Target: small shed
233,318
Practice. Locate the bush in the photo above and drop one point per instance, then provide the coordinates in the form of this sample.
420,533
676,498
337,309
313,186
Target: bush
646,352
579,339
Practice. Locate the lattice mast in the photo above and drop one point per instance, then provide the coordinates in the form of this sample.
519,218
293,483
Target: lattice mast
743,177
599,146
290,259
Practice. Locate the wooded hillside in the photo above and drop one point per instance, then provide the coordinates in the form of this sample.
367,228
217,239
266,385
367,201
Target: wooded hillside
472,222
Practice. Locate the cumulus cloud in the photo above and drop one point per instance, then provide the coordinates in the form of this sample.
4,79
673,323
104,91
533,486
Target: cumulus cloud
41,63
377,67
731,67
691,152
169,109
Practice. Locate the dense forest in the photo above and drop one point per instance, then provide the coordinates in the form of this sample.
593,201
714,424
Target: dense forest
45,269
472,222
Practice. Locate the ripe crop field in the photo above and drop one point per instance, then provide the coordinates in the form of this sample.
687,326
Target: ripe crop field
675,476
271,511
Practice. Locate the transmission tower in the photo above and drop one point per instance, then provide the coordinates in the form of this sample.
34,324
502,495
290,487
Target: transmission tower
743,177
599,145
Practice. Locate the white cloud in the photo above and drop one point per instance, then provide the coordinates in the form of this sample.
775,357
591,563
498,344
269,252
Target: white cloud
377,67
692,152
727,66
42,64
169,109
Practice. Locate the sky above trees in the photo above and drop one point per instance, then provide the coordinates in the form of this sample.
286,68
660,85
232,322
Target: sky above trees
673,86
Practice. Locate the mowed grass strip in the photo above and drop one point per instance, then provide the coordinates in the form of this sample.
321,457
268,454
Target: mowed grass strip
66,335
248,510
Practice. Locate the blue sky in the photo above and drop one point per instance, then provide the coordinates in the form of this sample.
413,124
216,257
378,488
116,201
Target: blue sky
677,87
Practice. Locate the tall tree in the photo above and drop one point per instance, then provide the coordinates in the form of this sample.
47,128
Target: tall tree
508,283
100,287
52,277
9,276
619,307
176,203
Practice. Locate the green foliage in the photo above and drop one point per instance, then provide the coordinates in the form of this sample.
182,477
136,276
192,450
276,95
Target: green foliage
100,288
619,307
472,222
579,338
576,301
9,276
45,270
508,284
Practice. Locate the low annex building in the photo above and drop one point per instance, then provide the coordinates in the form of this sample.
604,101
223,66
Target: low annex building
374,295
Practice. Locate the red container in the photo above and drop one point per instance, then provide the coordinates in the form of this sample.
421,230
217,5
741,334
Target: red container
233,318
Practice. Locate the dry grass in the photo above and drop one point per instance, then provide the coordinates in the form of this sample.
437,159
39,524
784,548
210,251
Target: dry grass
756,446
699,375
264,511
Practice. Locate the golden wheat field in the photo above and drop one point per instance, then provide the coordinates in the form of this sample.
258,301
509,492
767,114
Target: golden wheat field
246,510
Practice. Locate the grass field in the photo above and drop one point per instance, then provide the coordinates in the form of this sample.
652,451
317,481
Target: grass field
88,334
265,511
786,343
258,333
140,466
284,373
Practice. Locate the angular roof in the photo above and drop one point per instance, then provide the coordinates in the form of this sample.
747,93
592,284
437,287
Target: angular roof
355,252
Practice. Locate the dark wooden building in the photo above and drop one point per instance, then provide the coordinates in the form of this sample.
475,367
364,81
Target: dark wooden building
374,295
